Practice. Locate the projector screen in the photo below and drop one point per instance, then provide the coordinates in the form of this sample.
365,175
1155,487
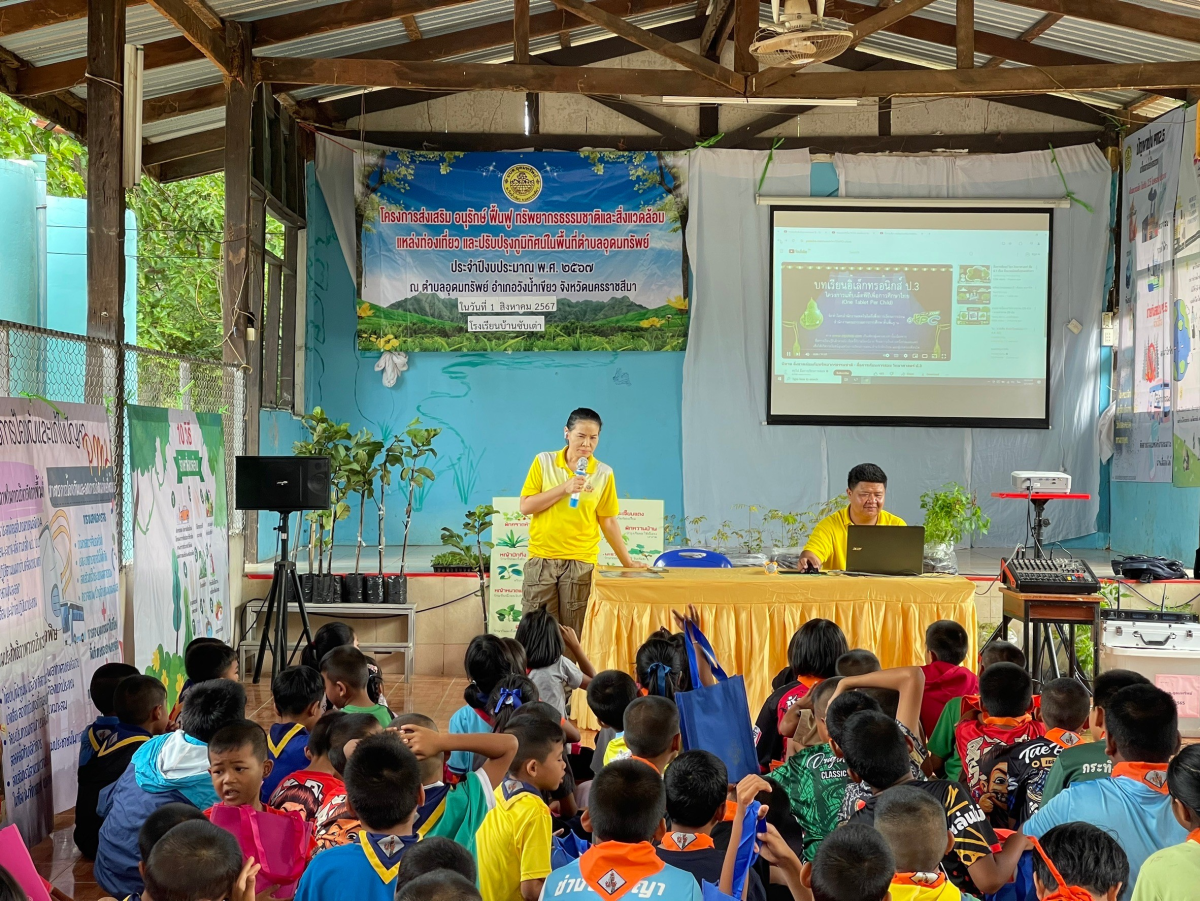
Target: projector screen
918,316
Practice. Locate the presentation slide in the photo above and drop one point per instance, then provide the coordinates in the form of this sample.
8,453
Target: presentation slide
919,316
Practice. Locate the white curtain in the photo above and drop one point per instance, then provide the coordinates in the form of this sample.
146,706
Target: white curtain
730,457
335,175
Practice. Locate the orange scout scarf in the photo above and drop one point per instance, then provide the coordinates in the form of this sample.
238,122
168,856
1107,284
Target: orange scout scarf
687,841
1152,775
611,869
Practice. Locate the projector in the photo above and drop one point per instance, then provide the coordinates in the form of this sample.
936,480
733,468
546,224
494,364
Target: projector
1042,482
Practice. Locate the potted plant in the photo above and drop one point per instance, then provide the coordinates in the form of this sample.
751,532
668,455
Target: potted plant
325,438
362,470
452,561
327,588
951,514
409,450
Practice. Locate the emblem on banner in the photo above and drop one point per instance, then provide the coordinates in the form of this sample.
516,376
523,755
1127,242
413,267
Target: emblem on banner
522,183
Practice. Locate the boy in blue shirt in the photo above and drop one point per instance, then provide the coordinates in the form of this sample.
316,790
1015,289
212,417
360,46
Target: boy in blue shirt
102,689
625,814
167,768
383,782
299,694
1133,805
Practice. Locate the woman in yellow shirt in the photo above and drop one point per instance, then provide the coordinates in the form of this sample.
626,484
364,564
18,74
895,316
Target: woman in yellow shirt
866,487
564,537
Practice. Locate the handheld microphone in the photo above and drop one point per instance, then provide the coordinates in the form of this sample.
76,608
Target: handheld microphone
580,470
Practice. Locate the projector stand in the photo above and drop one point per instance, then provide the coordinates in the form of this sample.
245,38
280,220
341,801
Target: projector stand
283,581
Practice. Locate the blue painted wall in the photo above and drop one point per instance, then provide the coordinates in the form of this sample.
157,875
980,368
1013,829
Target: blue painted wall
497,410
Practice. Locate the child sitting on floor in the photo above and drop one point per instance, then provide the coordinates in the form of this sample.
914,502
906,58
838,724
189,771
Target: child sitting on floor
101,690
609,695
813,653
858,662
238,763
1134,805
167,768
1080,858
336,822
383,780
625,815
485,662
513,842
659,664
204,659
946,646
432,853
913,823
814,778
439,885
1088,760
697,785
554,675
876,754
652,731
298,694
943,755
1173,874
197,861
140,703
1016,774
346,674
454,811
1005,699
853,864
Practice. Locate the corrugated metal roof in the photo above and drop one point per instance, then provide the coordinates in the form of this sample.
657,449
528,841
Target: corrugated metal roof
68,40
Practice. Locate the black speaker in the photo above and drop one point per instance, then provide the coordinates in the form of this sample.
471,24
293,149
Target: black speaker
282,484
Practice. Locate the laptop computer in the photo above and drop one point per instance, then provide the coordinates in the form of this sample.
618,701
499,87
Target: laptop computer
886,550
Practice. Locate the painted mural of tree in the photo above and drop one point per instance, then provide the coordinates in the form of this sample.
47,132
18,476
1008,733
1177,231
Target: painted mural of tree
664,174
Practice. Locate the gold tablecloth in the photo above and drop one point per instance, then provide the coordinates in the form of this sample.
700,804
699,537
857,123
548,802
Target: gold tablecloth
749,616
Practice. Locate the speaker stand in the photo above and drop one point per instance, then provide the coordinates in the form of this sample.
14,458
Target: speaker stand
283,581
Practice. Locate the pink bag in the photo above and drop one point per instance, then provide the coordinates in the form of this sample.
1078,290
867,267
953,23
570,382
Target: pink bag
279,841
15,858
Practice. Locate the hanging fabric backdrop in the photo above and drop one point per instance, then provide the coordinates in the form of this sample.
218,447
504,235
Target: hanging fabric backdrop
732,458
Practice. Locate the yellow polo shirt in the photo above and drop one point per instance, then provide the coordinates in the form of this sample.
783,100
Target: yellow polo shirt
830,536
513,842
564,532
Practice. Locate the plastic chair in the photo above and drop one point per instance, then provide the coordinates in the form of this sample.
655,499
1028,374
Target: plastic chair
694,557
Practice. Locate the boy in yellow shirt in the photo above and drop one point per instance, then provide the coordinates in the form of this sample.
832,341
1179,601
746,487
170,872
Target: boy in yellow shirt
513,842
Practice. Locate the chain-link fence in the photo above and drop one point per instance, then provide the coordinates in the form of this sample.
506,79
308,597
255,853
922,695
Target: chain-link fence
64,368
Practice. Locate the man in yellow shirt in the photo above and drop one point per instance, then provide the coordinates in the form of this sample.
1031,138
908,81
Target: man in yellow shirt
866,488
564,537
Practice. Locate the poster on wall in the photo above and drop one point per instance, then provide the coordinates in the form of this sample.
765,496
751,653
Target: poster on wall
1187,203
1144,436
59,598
1151,160
180,537
641,522
521,251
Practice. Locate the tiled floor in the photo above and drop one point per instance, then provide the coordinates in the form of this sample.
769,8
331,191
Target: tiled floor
58,860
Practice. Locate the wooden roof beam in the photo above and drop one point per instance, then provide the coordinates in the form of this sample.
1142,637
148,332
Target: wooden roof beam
181,103
989,82
173,149
18,17
198,27
483,77
713,71
1123,15
1029,35
339,16
64,75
